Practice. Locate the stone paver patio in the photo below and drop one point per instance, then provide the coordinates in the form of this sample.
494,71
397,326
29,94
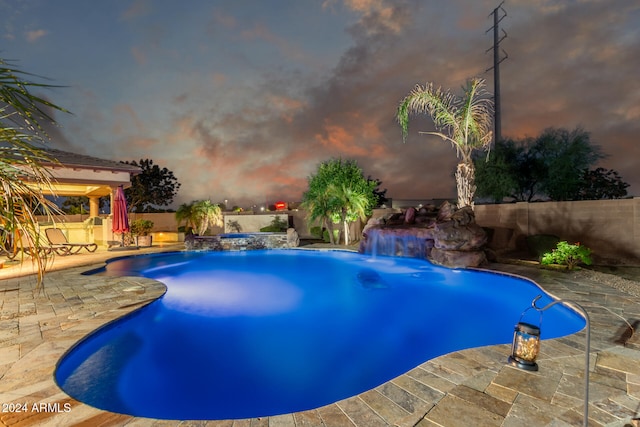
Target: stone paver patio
465,388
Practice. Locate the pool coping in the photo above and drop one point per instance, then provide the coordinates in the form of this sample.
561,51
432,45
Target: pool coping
473,386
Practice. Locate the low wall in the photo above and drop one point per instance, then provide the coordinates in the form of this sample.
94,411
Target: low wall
611,228
238,242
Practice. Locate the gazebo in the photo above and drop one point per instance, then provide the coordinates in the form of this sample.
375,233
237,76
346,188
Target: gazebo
79,175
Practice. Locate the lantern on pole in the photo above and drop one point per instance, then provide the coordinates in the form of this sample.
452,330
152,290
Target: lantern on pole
526,346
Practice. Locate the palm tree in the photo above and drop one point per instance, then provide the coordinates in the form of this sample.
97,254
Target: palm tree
199,215
464,122
21,118
354,203
338,192
317,202
206,214
185,213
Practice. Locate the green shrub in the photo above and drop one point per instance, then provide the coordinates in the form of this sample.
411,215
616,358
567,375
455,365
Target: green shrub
325,236
540,244
277,226
316,232
141,227
569,255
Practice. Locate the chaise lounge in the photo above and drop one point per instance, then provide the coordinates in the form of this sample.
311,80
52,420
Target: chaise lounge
57,238
28,247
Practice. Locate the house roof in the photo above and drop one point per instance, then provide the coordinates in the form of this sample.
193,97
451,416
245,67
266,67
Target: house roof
69,159
81,175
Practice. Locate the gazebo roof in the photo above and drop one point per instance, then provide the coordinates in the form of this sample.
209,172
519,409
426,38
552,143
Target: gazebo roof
81,175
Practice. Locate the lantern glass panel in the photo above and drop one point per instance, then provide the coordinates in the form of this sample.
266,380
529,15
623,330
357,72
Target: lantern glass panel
526,346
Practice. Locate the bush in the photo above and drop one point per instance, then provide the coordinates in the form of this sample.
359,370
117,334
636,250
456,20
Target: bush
567,254
316,232
276,226
336,236
141,227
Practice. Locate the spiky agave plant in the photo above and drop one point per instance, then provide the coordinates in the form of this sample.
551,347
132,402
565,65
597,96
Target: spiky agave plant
23,177
463,121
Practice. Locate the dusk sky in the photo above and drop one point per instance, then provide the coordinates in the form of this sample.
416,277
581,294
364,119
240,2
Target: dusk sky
242,99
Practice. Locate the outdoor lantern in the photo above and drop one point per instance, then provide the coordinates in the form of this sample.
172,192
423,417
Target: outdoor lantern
525,347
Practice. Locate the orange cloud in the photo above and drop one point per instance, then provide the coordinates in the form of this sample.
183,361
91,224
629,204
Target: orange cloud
286,106
338,139
33,36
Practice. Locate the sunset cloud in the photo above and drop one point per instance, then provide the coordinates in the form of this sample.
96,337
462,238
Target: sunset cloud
243,103
35,35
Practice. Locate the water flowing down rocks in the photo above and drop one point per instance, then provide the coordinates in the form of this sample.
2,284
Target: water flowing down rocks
445,236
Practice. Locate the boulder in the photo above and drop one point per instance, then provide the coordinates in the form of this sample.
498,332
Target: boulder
293,239
451,236
457,259
410,216
445,211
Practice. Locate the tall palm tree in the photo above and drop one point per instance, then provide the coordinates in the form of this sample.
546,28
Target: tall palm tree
465,122
22,117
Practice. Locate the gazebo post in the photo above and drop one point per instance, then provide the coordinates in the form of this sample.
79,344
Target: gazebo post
94,206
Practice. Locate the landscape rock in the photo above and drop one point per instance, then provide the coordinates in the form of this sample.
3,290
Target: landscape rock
448,237
410,216
293,239
458,259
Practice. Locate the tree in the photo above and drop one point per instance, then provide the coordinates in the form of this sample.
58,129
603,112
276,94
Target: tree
80,204
512,171
151,188
564,155
339,193
22,116
555,165
185,213
380,196
201,214
464,122
75,205
317,201
602,184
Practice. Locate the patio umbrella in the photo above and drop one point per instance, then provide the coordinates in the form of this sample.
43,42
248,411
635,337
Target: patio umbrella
119,212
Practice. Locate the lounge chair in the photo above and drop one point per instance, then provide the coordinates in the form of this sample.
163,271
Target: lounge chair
57,237
27,246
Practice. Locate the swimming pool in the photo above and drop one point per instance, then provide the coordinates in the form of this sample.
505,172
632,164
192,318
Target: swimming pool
258,333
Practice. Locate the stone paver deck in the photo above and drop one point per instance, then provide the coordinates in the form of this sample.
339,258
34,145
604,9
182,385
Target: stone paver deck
466,388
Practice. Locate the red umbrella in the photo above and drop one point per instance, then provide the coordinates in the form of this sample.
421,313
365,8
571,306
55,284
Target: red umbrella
119,212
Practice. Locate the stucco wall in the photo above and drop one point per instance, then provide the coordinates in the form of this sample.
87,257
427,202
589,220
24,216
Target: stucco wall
611,228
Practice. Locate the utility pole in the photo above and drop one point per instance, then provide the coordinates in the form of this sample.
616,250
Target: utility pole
498,15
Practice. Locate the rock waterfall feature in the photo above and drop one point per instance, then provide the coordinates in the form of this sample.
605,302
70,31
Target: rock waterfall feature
445,236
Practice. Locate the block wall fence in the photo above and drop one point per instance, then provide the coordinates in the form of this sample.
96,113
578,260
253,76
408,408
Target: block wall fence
611,228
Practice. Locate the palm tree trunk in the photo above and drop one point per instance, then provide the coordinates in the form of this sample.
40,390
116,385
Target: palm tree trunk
465,181
329,228
346,232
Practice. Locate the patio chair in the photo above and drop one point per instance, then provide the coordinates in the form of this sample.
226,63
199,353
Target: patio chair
57,237
27,246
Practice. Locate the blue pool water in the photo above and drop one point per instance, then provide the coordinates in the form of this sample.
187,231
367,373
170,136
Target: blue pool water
258,333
